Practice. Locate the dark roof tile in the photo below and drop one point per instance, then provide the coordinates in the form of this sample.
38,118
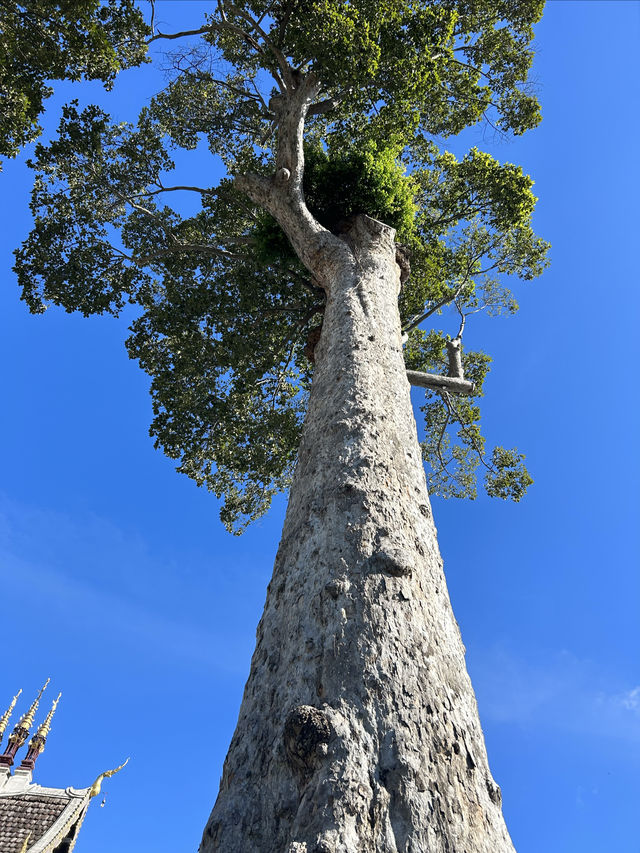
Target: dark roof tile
24,813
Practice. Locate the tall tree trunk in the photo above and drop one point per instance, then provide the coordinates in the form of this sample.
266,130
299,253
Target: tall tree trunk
358,730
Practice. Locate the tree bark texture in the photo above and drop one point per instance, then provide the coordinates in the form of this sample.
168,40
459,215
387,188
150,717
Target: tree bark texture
358,730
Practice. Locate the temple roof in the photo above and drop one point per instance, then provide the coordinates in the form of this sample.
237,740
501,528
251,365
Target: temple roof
44,818
35,819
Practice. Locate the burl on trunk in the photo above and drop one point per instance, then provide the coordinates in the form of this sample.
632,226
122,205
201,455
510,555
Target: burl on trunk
358,729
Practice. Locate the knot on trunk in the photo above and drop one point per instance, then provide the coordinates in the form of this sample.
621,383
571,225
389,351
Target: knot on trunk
306,734
402,259
312,341
390,563
337,587
495,794
326,843
276,104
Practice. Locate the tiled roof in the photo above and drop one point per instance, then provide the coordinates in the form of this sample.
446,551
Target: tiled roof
34,818
22,814
45,815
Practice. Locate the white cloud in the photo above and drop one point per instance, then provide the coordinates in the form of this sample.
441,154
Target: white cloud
556,690
629,700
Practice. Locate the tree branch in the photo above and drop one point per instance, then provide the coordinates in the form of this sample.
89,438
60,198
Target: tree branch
182,34
226,24
443,464
277,54
151,214
463,319
162,189
465,425
436,382
282,195
325,106
244,93
419,318
183,248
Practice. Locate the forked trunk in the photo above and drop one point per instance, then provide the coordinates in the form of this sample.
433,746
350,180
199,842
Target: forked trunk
358,731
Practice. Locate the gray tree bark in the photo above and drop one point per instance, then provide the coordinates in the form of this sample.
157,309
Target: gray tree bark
358,730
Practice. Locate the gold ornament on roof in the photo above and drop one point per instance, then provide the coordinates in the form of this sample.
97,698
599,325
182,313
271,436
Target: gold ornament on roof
26,721
95,788
4,720
37,742
44,728
25,843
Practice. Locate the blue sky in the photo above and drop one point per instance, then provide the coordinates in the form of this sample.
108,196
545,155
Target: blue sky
119,582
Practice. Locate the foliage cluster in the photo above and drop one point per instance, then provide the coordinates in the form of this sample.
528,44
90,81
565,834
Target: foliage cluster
341,186
45,40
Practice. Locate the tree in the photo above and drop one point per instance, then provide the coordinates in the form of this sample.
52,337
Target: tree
340,226
43,40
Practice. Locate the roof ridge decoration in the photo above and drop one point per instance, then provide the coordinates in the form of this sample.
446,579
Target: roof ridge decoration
21,731
33,818
4,719
38,741
94,790
26,720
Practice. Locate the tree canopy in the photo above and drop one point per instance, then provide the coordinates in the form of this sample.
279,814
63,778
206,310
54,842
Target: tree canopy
227,310
42,41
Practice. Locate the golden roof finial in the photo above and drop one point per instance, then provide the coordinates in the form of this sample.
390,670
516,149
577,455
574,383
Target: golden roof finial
95,788
26,721
44,728
25,843
4,720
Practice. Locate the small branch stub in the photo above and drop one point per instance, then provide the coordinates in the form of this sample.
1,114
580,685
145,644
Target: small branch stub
436,382
454,353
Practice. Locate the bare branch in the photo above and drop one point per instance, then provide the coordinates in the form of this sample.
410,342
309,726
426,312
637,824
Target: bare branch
285,17
283,372
325,106
283,65
259,96
443,464
437,382
182,34
463,318
223,14
257,187
465,425
151,214
446,300
162,189
183,248
201,75
226,24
